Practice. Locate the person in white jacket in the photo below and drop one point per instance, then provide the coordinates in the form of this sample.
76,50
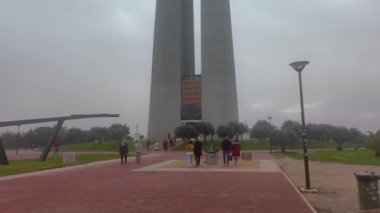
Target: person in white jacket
138,151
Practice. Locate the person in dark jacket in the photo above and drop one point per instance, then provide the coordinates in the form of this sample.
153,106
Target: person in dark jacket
123,150
226,147
165,144
197,152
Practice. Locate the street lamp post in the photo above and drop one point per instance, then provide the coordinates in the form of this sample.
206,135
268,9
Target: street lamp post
270,131
299,66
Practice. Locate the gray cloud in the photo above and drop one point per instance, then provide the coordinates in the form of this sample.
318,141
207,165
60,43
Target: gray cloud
63,57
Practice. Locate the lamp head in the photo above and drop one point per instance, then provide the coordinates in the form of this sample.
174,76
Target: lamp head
299,65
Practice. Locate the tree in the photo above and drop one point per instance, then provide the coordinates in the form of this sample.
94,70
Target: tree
357,137
374,143
205,129
261,129
313,131
238,128
340,135
118,132
74,136
284,137
320,132
9,139
29,138
225,131
292,125
43,134
98,133
186,132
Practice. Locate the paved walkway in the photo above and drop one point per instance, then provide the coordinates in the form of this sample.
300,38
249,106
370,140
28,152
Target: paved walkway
112,187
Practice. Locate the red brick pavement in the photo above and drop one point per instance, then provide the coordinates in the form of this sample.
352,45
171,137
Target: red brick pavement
112,187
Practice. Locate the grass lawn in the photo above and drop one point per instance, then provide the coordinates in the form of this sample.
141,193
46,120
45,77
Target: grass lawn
23,166
360,157
318,145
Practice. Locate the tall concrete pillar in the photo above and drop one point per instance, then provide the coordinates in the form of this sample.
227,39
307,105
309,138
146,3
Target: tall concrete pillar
219,96
187,26
173,57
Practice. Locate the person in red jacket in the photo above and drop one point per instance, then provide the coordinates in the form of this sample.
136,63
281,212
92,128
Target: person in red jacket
56,145
236,150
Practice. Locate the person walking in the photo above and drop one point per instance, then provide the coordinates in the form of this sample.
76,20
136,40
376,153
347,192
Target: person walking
138,151
189,153
123,150
197,152
165,144
56,145
226,147
236,151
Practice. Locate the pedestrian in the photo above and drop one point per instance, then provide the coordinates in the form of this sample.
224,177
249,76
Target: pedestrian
138,151
56,145
226,147
236,150
189,153
123,150
165,145
197,152
156,146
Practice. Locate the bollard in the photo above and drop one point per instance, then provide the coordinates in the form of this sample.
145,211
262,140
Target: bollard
368,190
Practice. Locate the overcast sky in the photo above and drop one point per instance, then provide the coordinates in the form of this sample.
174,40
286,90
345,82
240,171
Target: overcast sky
67,57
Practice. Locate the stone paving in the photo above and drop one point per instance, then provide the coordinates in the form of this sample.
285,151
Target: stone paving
147,187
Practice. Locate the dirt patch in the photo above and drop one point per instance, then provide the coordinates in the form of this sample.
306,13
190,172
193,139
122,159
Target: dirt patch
336,183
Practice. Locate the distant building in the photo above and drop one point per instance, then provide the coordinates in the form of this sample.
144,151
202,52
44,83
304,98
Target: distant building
178,95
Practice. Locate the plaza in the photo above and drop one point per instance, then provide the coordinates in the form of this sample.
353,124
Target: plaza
153,186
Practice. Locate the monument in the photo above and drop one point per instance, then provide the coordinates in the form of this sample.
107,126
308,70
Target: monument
178,96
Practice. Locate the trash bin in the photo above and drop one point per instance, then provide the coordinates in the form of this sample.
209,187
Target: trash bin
368,189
